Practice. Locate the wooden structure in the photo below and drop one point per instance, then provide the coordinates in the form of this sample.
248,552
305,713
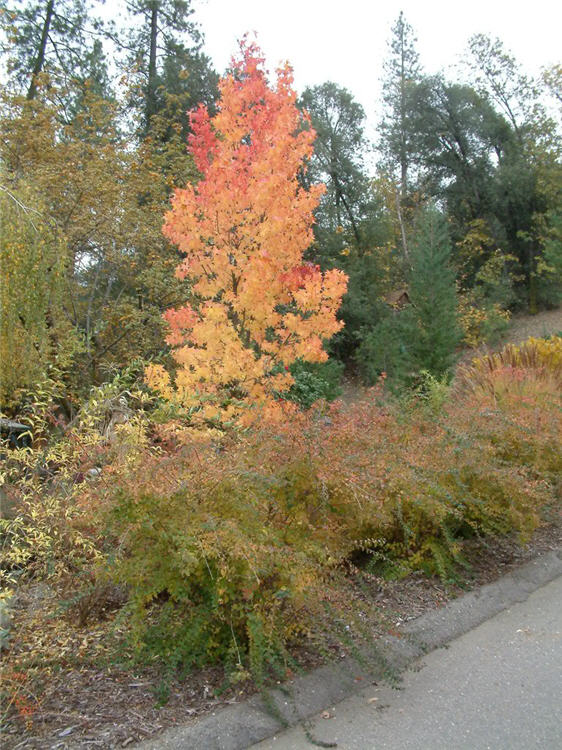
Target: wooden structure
398,299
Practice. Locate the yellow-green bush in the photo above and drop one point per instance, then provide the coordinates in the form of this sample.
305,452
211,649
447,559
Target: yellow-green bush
481,323
223,549
34,334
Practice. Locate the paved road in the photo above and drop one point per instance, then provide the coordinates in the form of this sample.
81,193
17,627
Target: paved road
497,687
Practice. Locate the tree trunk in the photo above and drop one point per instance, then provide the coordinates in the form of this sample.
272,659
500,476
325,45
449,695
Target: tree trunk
402,227
403,155
532,281
151,89
40,60
341,197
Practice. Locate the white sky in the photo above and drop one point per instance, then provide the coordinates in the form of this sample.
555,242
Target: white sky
345,41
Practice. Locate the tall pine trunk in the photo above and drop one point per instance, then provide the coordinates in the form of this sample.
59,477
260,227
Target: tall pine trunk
151,88
40,59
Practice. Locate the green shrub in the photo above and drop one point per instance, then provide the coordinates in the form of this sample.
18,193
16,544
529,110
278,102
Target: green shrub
386,349
315,381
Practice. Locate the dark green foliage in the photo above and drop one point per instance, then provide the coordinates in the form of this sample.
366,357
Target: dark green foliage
315,381
459,138
433,296
338,157
387,348
423,336
368,272
165,47
550,280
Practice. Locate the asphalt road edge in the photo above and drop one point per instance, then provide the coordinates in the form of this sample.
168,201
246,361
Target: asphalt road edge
239,726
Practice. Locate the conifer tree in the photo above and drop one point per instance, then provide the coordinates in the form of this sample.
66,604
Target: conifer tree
51,37
398,127
402,73
433,296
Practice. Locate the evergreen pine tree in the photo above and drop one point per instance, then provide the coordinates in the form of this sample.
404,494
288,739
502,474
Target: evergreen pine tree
398,128
402,74
52,37
433,296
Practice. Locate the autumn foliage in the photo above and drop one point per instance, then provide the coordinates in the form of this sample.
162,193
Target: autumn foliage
230,554
243,228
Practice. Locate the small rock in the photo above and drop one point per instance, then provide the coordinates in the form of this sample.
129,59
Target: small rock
67,731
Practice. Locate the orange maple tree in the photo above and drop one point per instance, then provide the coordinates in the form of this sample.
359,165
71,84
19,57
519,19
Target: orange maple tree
243,228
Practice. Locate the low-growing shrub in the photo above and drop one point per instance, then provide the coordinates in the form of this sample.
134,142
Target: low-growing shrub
41,537
230,548
49,530
223,547
534,359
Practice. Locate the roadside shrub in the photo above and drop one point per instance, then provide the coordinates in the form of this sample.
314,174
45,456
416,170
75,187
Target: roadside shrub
229,549
224,548
48,530
515,396
41,535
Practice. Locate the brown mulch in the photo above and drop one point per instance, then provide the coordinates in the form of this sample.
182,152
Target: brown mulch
78,694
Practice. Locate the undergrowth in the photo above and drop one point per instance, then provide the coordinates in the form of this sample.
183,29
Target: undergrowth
234,550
